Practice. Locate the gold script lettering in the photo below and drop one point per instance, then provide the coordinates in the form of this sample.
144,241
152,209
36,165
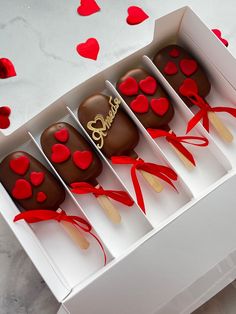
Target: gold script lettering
100,125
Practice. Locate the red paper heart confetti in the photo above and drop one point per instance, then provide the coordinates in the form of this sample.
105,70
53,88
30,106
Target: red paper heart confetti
6,68
4,117
129,87
170,68
62,135
174,53
139,104
60,153
41,197
188,86
89,49
148,85
160,106
37,178
88,7
82,159
20,165
22,190
217,32
136,15
188,66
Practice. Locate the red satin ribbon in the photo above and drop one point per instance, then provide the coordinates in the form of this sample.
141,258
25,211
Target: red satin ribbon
177,140
202,114
164,173
119,196
38,215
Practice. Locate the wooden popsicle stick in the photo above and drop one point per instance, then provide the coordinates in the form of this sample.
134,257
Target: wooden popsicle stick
219,126
184,159
109,209
74,233
152,181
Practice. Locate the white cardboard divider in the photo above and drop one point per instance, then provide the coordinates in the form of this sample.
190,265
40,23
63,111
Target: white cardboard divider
116,237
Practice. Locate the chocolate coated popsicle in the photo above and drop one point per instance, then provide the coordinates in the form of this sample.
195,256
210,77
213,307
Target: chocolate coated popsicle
188,78
152,106
33,187
113,131
146,98
75,161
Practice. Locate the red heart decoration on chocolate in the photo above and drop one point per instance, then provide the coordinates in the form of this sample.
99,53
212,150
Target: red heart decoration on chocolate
129,87
60,153
148,85
139,104
136,15
4,117
83,159
160,106
41,197
174,53
170,68
6,68
188,86
37,178
89,49
188,66
217,32
88,7
62,135
22,190
20,165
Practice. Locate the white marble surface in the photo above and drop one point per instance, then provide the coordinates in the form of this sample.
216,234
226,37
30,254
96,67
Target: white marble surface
40,37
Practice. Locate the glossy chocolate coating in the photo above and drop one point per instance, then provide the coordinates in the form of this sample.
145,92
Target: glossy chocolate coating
122,137
68,171
176,80
50,186
148,119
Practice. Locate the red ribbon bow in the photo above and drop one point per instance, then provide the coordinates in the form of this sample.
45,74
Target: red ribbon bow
164,173
119,196
34,216
189,89
177,140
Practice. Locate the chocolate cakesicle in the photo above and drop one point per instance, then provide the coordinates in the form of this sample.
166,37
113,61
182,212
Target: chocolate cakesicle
34,187
149,102
188,78
114,133
75,161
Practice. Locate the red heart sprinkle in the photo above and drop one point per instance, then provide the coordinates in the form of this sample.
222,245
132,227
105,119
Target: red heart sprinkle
62,135
83,159
41,197
188,86
37,178
140,104
160,106
136,15
188,66
217,32
174,53
89,49
148,85
4,117
6,68
170,68
22,190
60,153
88,7
129,87
20,165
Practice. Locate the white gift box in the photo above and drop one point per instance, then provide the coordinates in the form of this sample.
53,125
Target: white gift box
182,251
